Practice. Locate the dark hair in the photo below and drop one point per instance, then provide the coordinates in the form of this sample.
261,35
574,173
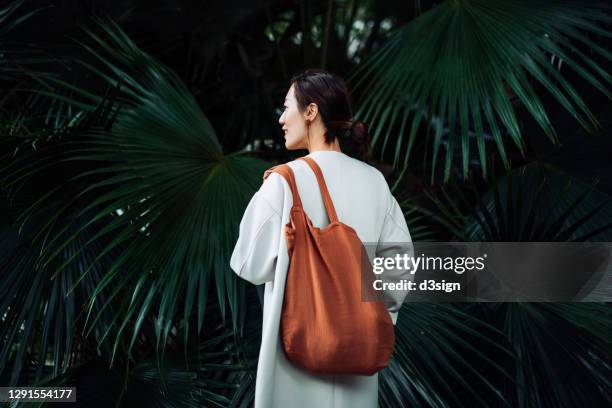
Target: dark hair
329,92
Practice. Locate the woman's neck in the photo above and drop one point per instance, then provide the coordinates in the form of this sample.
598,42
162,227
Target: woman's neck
322,146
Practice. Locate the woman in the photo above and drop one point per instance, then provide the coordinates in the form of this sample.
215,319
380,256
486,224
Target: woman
317,115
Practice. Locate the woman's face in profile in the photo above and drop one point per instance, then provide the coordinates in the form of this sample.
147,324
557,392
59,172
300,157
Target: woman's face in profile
293,123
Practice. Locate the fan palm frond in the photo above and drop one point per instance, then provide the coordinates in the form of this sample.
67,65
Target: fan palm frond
163,187
528,204
533,203
435,358
456,66
40,316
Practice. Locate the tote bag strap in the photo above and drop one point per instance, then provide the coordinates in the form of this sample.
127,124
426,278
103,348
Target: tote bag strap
329,205
285,171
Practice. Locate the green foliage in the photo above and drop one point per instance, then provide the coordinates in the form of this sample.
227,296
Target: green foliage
457,66
529,204
434,339
125,175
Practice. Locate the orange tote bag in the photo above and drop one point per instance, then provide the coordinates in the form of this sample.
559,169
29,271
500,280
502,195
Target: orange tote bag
325,327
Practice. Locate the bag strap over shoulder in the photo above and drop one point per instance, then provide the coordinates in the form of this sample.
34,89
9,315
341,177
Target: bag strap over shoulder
329,205
285,171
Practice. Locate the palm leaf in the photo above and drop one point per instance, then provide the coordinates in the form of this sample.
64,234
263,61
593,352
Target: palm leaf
40,317
434,358
546,338
530,203
212,373
161,168
456,64
561,351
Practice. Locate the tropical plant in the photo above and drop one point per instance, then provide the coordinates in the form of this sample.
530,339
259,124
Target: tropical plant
528,204
535,204
129,155
162,172
458,67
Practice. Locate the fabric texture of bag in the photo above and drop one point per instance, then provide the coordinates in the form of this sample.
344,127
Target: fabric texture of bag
325,326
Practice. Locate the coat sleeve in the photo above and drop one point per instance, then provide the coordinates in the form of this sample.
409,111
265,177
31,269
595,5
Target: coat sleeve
395,239
256,251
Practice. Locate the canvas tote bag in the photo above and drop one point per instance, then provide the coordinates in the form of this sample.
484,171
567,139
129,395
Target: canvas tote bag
325,327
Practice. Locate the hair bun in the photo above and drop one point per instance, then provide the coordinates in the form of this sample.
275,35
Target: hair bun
360,140
358,127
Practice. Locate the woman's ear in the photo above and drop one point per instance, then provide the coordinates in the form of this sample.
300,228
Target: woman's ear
311,112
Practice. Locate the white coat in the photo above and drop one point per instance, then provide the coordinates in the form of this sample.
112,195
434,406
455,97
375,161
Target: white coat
362,199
